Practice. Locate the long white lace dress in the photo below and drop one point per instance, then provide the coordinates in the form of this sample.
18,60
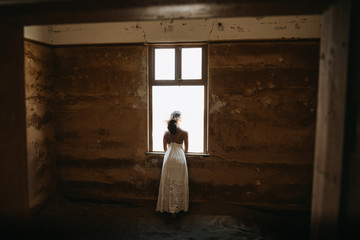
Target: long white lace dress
174,188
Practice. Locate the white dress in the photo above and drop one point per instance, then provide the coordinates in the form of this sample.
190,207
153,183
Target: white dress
174,188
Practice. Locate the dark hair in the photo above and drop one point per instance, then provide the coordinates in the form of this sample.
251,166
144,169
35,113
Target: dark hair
172,126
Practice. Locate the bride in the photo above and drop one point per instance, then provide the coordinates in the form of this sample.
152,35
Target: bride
174,188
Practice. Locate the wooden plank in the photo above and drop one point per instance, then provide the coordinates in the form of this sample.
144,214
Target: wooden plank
13,162
330,121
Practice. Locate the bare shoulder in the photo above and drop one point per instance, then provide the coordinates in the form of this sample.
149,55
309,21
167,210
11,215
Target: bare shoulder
184,132
166,135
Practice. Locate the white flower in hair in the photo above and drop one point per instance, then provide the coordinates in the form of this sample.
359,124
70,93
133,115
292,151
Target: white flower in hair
176,115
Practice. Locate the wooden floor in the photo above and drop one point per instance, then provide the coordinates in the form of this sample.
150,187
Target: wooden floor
74,219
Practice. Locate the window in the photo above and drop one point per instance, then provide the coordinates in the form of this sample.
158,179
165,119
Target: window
177,81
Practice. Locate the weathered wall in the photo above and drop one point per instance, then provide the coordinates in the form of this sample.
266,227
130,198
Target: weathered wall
39,123
261,130
263,100
100,126
262,119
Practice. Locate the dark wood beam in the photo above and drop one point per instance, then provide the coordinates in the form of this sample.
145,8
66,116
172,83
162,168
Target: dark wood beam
78,11
13,162
349,220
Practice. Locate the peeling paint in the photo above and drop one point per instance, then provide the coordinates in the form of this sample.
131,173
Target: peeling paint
240,29
170,28
138,26
216,104
138,168
135,106
220,26
39,123
277,28
154,161
140,92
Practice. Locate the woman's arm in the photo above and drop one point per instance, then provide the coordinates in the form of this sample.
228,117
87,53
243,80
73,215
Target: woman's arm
165,142
186,141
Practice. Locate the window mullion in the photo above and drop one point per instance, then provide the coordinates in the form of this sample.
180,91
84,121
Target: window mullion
178,64
182,83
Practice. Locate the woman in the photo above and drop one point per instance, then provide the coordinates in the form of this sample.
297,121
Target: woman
174,189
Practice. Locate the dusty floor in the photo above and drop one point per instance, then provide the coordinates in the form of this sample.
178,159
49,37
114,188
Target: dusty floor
70,219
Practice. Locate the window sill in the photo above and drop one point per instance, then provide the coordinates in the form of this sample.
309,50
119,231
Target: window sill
187,154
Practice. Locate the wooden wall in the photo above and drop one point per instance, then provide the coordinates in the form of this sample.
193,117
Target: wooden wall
262,108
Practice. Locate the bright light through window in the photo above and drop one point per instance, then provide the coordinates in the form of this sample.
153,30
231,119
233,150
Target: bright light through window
187,99
191,63
165,64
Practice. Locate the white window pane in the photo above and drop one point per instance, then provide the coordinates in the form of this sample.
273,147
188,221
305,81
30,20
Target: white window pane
187,99
191,59
165,64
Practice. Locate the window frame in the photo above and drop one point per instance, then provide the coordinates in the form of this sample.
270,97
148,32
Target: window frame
178,82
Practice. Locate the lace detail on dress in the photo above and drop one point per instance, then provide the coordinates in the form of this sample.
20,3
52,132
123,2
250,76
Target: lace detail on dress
175,201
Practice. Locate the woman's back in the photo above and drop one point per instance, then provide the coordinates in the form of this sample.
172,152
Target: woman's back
179,137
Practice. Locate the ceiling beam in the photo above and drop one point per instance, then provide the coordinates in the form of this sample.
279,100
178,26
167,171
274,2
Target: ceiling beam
39,12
